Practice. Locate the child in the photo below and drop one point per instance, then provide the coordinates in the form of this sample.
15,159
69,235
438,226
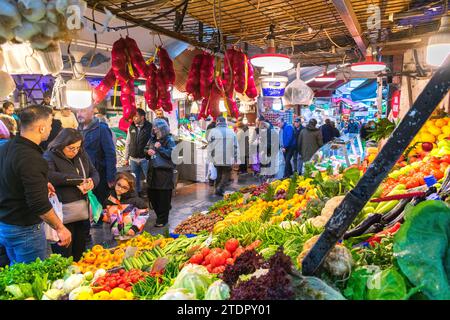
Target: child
126,212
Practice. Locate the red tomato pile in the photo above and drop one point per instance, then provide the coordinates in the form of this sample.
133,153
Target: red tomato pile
121,279
215,260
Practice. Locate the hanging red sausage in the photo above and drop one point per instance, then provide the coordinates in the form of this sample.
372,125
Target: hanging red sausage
100,92
193,81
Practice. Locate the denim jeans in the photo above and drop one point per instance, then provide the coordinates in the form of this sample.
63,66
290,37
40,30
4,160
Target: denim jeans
23,244
138,167
299,164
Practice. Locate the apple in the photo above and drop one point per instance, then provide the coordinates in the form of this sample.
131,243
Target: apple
427,146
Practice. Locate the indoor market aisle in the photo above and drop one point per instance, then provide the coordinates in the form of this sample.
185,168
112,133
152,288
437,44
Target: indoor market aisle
188,199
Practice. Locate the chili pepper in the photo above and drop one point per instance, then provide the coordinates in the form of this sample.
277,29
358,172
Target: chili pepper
380,235
399,196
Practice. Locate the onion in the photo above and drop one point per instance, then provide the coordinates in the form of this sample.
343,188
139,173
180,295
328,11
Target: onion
8,85
32,10
27,31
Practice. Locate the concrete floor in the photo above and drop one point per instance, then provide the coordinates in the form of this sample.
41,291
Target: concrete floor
189,198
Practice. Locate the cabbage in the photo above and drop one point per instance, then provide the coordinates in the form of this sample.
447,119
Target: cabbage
72,282
52,294
177,294
194,278
219,290
99,273
20,291
422,248
58,284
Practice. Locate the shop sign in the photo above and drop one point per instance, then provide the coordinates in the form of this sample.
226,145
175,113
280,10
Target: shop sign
395,103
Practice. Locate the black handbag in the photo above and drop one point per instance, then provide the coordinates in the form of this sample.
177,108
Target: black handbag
159,162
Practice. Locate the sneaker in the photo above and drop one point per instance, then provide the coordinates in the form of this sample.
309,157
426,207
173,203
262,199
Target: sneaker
159,225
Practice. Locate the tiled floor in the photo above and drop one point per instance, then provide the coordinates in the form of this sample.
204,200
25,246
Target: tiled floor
189,198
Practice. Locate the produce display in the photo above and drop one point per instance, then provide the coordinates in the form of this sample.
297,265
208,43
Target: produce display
251,245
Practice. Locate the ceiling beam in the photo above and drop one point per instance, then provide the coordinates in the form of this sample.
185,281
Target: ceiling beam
345,10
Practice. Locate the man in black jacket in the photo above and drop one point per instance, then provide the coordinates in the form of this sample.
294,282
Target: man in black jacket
24,189
139,134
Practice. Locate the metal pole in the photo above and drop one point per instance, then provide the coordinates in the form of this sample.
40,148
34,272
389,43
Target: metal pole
436,89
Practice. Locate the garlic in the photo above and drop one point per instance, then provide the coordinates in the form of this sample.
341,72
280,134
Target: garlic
8,85
32,10
52,13
9,18
27,31
50,30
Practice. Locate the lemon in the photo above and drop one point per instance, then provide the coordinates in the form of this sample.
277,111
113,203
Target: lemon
102,295
428,137
118,294
446,130
435,131
84,296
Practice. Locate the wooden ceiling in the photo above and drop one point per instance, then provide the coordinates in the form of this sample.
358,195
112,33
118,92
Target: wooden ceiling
314,32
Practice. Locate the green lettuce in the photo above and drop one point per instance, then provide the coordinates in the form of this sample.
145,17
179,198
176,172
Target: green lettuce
422,250
386,285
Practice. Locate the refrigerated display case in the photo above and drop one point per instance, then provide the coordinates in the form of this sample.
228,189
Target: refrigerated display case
340,153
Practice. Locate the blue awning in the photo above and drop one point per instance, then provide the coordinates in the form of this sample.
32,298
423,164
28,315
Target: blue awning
367,90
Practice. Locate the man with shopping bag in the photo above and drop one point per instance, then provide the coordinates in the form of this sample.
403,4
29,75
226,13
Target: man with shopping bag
24,189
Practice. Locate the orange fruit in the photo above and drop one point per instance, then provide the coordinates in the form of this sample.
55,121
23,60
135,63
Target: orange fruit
440,123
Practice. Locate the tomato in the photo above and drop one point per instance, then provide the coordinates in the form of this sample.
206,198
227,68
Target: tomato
196,258
112,284
238,252
438,174
230,261
208,258
226,254
129,288
209,268
231,245
107,288
205,263
122,286
220,269
218,260
205,251
134,279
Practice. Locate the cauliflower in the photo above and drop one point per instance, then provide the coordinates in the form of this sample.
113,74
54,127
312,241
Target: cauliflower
331,205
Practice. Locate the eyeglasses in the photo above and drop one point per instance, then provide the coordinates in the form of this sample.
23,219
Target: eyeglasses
126,188
73,149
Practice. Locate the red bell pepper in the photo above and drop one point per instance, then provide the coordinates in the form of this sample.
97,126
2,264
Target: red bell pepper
380,235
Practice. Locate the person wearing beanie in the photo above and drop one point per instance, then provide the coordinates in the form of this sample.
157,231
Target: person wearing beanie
309,141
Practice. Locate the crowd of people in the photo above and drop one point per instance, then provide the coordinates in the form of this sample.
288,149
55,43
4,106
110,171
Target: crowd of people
72,158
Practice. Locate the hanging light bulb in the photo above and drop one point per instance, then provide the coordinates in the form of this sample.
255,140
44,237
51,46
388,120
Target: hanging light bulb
245,120
439,44
194,107
78,93
142,87
78,89
271,61
369,65
222,107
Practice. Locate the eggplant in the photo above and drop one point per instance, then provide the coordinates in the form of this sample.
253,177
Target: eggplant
388,217
363,226
375,228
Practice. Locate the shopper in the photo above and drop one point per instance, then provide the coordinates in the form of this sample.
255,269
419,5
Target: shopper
353,127
328,131
209,166
138,136
47,99
223,150
126,213
309,141
99,145
336,132
125,192
268,154
100,114
242,134
10,123
8,109
160,176
287,144
367,130
160,115
67,118
56,129
297,129
4,133
24,190
73,175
